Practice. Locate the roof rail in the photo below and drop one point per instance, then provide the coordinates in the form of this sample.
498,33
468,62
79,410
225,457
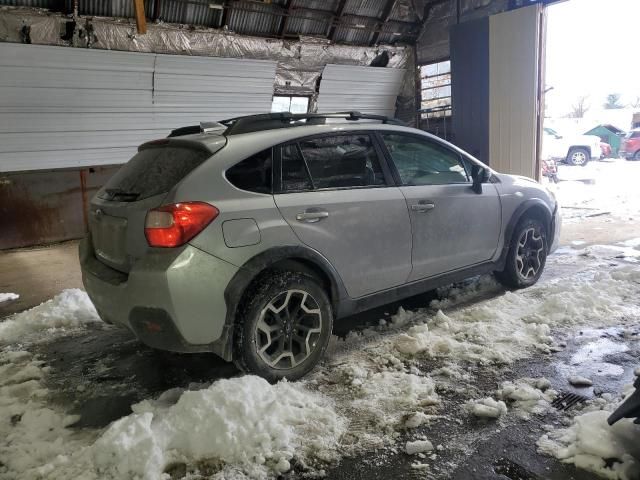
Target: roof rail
272,121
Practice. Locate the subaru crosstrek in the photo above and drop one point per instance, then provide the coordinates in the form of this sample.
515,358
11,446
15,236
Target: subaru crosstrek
250,237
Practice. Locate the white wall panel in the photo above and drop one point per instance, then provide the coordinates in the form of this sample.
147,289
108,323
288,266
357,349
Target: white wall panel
64,107
513,90
364,89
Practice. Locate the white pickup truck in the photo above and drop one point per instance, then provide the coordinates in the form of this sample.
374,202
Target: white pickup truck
572,149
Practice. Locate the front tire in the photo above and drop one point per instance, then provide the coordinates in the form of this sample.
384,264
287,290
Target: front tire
578,156
636,156
283,327
527,255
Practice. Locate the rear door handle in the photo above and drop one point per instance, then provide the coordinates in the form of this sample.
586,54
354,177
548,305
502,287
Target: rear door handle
312,216
423,207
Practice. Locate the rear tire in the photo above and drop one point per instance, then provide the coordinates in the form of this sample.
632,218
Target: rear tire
283,327
578,156
527,255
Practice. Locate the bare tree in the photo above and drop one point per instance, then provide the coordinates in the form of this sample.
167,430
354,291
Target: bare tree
580,107
635,103
613,102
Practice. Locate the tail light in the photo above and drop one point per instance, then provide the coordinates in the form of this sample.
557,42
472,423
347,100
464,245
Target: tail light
174,225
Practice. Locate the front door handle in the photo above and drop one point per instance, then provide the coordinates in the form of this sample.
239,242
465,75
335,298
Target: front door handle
423,207
312,216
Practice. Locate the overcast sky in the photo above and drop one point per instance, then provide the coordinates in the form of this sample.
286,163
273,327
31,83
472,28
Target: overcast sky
593,48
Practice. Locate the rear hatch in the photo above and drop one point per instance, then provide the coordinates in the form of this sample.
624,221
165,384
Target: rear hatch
117,213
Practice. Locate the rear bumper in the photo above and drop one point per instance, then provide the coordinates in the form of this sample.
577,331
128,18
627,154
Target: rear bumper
171,299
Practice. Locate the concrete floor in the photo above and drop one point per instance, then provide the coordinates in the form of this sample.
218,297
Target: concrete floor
37,274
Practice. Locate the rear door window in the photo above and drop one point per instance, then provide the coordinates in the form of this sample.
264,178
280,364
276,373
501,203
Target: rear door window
342,161
338,161
152,171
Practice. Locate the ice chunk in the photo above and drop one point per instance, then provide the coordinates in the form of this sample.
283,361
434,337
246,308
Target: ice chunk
578,381
418,446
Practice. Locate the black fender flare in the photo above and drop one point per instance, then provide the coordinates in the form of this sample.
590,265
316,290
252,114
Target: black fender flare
251,269
518,214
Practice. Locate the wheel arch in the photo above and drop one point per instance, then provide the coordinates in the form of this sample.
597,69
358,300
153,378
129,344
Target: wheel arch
532,208
290,258
578,147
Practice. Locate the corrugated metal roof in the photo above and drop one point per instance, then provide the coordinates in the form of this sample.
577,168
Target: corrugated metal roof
175,11
305,17
365,8
28,3
253,18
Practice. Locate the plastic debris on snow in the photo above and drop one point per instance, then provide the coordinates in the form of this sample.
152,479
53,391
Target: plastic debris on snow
70,309
5,297
590,443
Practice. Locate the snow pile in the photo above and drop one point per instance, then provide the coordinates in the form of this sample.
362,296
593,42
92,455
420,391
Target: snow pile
591,444
5,297
243,422
416,419
33,433
243,425
487,408
70,309
502,329
527,395
614,189
389,395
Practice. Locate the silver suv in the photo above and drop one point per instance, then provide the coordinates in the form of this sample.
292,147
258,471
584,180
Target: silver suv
250,237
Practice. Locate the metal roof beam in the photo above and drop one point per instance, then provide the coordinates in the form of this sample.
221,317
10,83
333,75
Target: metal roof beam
331,35
284,21
386,13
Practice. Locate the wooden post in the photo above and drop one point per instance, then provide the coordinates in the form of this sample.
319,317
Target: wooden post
141,21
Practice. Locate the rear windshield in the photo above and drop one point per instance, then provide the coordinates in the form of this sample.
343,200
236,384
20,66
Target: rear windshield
152,171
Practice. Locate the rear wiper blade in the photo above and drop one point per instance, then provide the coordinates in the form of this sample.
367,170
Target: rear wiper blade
119,193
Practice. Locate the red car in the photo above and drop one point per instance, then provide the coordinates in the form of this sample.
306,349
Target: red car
630,147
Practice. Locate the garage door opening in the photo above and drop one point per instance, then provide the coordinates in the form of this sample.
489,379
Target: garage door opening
592,105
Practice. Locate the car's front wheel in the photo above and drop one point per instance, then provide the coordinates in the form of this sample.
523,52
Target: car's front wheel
527,255
578,156
283,327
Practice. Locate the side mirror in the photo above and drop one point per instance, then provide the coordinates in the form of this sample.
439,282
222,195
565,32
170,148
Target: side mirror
479,176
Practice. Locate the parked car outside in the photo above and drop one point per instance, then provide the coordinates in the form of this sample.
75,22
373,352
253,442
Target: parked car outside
630,148
571,149
251,237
